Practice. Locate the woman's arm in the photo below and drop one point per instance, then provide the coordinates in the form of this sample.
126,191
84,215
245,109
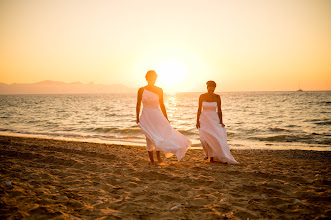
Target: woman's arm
139,96
199,112
219,108
162,104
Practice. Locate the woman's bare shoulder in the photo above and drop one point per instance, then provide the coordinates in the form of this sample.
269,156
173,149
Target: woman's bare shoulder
140,90
203,96
159,90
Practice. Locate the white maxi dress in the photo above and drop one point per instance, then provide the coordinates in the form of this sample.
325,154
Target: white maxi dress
157,129
212,135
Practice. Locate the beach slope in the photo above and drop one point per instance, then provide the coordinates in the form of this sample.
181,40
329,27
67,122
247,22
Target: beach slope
52,179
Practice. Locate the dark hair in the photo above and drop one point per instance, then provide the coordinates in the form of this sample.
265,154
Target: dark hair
150,73
211,83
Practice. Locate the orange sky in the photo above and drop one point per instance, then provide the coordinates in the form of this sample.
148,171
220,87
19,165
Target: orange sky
244,45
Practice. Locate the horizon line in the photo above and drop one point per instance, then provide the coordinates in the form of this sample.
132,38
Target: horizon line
164,92
296,90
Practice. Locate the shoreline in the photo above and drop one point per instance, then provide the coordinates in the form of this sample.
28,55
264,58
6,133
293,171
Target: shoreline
197,145
47,178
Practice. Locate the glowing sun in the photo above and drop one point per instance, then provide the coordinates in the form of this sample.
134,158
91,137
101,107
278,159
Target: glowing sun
171,72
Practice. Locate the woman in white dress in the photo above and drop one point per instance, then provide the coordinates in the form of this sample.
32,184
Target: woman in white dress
154,123
211,128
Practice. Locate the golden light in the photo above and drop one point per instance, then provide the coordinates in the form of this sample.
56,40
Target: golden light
171,72
178,69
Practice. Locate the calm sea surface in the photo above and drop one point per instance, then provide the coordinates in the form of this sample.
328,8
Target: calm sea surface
290,120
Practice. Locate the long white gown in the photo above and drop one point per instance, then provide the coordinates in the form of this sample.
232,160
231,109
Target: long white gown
212,135
158,130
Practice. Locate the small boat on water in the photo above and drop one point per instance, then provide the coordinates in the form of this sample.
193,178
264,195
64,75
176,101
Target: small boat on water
299,90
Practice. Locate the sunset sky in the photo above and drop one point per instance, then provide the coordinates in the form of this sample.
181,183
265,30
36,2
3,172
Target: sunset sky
244,45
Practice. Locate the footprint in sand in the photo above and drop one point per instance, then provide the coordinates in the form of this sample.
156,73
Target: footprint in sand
199,202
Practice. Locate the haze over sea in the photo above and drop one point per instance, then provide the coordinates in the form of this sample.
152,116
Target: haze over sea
265,120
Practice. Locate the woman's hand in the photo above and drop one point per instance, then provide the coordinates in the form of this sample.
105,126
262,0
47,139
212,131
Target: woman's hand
198,125
223,125
137,120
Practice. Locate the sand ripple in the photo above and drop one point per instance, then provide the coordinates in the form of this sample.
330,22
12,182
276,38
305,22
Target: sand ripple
48,179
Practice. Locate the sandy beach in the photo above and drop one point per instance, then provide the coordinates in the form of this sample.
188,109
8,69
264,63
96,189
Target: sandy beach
52,179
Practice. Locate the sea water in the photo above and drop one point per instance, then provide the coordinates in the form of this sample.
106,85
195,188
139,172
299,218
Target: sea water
276,120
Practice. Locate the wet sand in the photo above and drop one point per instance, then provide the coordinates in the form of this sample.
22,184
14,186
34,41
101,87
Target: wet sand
52,179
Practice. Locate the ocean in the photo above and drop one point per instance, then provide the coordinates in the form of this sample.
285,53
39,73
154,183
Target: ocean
262,120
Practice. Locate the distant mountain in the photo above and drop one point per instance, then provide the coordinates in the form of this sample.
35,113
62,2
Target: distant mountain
56,87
